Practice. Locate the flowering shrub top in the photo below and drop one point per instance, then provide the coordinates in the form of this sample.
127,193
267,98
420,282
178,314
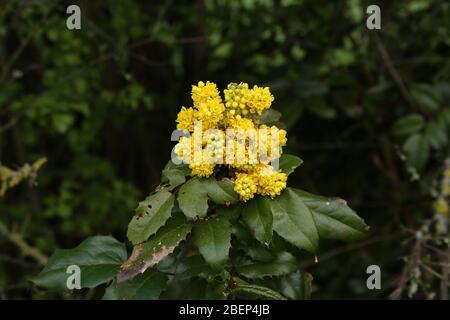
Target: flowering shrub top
231,135
223,223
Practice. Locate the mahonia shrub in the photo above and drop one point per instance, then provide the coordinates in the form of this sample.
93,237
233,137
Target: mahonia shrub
222,224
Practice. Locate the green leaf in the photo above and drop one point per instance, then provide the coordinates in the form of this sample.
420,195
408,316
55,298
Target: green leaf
416,150
288,163
195,289
284,263
293,221
193,196
166,239
270,116
231,212
436,135
241,233
158,247
194,266
146,286
222,191
408,125
256,290
257,215
62,122
223,50
291,286
444,117
426,96
256,251
212,238
98,257
193,199
334,219
151,214
175,174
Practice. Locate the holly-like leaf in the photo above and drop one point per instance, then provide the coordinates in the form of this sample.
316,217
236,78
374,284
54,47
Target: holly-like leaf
97,257
193,199
222,191
193,196
283,264
212,238
288,163
158,247
292,286
256,252
293,221
146,286
334,219
257,215
151,214
194,266
175,174
231,212
257,291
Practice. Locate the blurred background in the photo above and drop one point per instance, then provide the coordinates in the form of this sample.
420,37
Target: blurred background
367,110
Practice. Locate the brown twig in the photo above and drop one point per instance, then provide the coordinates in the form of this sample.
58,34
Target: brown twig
392,71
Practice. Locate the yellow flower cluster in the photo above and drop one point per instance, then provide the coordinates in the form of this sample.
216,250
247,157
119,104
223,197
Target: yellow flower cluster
208,108
240,100
247,152
263,180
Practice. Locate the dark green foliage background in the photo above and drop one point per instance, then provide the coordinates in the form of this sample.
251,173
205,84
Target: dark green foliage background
100,103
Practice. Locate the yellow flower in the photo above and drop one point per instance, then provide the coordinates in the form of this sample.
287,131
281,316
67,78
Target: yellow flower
184,149
270,143
270,182
240,155
186,118
258,99
283,139
202,169
441,206
215,146
235,99
245,186
239,122
210,113
204,92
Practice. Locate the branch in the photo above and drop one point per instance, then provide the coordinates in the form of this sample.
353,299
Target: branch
392,71
26,249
